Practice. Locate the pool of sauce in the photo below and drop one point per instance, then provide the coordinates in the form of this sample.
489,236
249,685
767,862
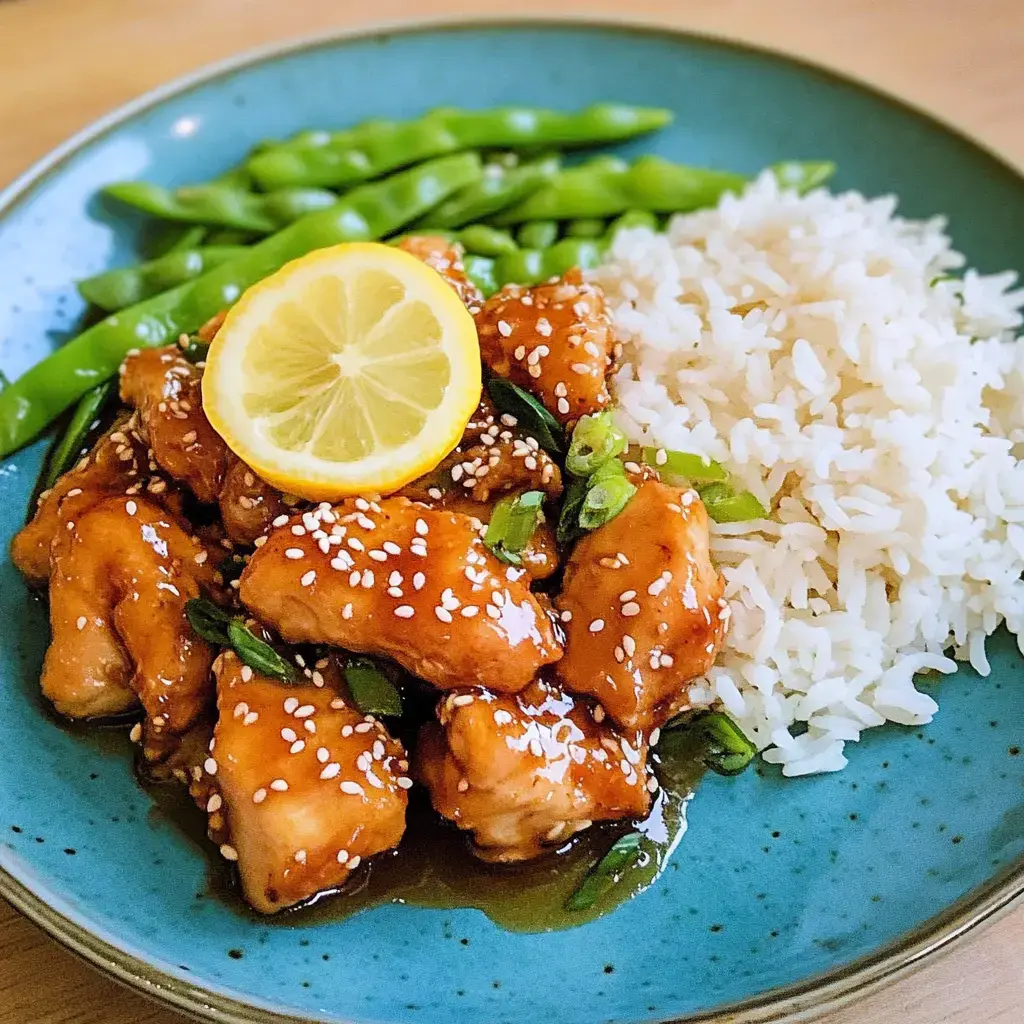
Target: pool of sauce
434,866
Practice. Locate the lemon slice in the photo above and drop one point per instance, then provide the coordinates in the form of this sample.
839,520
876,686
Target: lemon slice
352,370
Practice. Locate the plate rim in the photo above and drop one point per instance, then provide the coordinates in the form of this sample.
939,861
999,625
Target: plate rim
790,1004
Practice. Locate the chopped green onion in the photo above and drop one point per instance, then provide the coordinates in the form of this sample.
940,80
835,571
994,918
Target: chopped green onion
209,621
683,467
258,654
607,873
83,420
803,175
726,750
512,524
196,350
372,691
595,440
725,505
217,627
531,416
572,501
608,493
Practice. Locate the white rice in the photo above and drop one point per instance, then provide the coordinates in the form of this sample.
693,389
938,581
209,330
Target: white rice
804,343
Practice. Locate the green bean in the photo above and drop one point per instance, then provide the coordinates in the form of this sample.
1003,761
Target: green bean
498,189
127,286
651,183
373,211
585,227
166,236
537,234
369,150
224,205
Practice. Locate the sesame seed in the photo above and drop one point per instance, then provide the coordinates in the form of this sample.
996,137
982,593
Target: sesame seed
656,587
342,856
136,734
289,735
368,579
463,785
210,766
290,704
629,645
354,577
279,786
378,556
305,711
354,862
364,726
352,788
443,614
80,622
405,611
280,520
331,770
245,673
297,747
404,782
504,329
259,796
534,371
228,852
346,731
251,718
131,508
581,368
627,595
214,803
391,547
667,661
543,327
346,612
308,578
355,544
630,609
294,553
462,700
596,625
469,611
660,457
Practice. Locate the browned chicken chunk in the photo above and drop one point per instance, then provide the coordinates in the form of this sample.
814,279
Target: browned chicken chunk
523,773
299,787
642,607
121,576
165,388
248,505
554,340
116,465
398,579
438,253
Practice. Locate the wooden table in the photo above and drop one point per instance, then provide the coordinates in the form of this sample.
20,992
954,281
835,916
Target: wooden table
65,62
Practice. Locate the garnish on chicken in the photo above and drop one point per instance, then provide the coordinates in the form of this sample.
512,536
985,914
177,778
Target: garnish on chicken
525,772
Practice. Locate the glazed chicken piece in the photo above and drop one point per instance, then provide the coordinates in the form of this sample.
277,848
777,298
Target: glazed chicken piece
525,772
165,388
397,579
492,459
642,607
121,576
438,253
116,465
248,504
299,787
554,340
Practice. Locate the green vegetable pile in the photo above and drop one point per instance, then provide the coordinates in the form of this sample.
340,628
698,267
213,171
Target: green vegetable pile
494,180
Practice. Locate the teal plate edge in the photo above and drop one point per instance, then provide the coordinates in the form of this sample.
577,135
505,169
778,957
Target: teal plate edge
793,1003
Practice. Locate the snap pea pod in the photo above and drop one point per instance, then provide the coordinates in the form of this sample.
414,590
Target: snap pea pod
373,211
480,270
499,188
371,149
166,236
537,234
633,219
127,286
481,239
223,205
65,453
585,227
231,236
651,183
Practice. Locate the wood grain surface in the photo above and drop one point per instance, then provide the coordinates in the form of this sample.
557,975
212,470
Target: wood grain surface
65,62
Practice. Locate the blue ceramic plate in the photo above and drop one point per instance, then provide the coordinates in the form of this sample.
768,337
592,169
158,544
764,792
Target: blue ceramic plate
785,894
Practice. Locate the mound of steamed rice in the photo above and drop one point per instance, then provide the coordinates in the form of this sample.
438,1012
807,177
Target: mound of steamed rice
817,347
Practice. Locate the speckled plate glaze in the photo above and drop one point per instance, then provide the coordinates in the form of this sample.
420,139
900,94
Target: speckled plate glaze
785,897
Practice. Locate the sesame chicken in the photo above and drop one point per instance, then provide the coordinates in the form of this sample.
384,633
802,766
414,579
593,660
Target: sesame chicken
117,465
444,257
397,579
642,607
300,788
525,772
165,388
122,574
554,340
